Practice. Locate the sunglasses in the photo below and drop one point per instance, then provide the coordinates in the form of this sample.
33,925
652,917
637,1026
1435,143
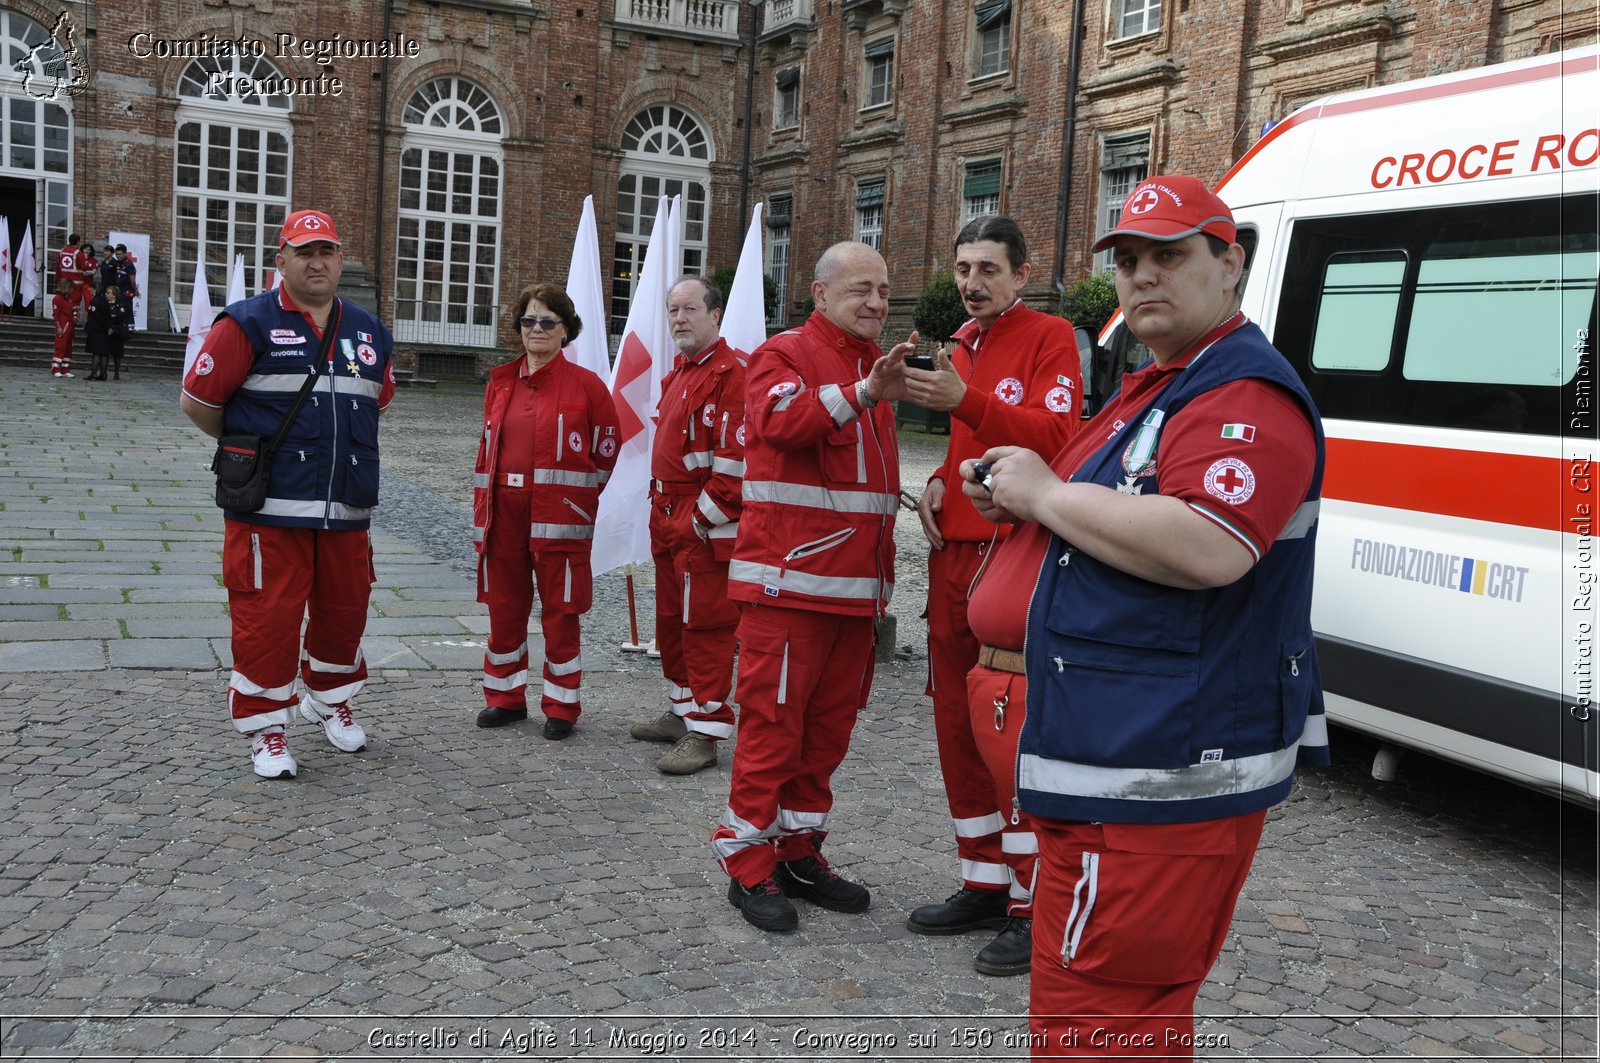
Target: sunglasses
544,324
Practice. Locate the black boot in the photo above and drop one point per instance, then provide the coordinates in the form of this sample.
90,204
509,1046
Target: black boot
1011,952
966,909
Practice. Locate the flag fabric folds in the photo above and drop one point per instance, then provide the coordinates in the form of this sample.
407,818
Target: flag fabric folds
744,319
27,268
592,348
200,314
236,288
622,528
7,274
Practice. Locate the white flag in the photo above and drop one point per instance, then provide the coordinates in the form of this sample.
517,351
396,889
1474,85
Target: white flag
744,318
673,264
236,289
27,268
622,527
199,314
592,348
7,274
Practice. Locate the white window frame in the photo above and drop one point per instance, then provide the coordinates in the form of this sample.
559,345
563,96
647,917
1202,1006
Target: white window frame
682,168
993,42
1116,181
878,79
448,240
1134,18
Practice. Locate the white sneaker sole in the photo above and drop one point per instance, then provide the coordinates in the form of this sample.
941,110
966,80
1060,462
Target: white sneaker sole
313,716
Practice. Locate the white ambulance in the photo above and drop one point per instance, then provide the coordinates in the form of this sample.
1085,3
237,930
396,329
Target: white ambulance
1426,256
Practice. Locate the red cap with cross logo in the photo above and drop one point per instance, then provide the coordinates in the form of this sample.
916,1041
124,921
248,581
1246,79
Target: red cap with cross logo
307,227
1170,208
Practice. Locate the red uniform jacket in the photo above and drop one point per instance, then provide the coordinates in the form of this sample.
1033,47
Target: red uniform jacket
1024,388
576,447
700,440
822,478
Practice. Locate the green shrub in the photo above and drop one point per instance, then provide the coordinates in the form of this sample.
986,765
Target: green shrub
1091,302
939,310
722,277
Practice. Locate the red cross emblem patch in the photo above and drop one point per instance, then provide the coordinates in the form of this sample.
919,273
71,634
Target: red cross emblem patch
1230,480
1145,199
1010,391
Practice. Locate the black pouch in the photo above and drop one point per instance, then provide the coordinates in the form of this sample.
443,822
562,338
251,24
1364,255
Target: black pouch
242,465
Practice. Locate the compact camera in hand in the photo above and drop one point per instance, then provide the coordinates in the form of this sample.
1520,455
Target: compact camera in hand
921,361
983,475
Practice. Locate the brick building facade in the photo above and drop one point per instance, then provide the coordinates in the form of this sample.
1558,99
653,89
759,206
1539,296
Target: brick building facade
464,134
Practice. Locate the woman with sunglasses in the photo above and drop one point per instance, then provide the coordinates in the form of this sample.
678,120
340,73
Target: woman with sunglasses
550,439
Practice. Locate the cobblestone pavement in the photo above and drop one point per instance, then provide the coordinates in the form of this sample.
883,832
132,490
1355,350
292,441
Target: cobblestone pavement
462,894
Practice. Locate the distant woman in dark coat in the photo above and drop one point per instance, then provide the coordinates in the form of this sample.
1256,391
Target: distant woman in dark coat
106,332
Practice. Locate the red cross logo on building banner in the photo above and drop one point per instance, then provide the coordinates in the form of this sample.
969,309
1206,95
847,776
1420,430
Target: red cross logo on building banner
1230,480
1143,200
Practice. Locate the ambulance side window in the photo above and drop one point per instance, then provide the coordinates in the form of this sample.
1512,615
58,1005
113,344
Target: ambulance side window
1454,317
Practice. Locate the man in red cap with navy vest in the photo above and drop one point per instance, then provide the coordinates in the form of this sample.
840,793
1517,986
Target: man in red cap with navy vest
1172,680
307,549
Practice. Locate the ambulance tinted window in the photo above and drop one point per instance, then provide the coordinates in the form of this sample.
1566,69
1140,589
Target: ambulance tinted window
1464,317
1500,312
1355,318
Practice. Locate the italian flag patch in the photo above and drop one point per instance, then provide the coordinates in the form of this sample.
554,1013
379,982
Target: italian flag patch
1246,432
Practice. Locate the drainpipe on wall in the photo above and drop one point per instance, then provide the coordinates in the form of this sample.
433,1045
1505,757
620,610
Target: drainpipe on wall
749,113
377,200
1068,142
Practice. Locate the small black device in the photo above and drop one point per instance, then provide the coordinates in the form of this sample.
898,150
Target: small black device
981,475
920,361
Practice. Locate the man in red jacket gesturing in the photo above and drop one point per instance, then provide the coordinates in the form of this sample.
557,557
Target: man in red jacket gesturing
813,568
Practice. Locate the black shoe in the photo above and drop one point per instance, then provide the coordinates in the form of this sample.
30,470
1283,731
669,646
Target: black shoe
1011,952
498,717
964,910
764,905
556,730
811,879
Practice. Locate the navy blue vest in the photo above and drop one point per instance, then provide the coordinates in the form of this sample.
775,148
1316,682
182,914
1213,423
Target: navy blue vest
326,472
1152,704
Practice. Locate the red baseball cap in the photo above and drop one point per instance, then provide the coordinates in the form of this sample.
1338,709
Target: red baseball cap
1170,208
307,227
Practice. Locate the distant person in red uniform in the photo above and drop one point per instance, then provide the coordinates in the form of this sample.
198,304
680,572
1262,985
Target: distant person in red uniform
67,269
88,267
550,440
66,327
1014,377
696,474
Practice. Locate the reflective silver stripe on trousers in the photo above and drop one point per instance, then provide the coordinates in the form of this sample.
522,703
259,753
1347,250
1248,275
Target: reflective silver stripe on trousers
990,874
745,834
561,531
980,826
1215,779
779,491
480,479
514,681
853,588
792,822
245,685
506,658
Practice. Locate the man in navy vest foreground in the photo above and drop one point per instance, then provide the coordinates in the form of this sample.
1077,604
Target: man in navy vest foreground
1172,681
307,548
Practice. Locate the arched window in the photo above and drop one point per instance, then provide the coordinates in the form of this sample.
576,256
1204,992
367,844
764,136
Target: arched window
36,85
665,153
447,260
231,185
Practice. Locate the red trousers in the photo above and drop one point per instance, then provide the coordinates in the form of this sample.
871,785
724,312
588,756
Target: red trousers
998,703
803,678
969,788
61,358
275,576
1128,920
508,570
696,623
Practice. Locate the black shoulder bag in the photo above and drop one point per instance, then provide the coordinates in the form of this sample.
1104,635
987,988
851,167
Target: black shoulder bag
243,464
